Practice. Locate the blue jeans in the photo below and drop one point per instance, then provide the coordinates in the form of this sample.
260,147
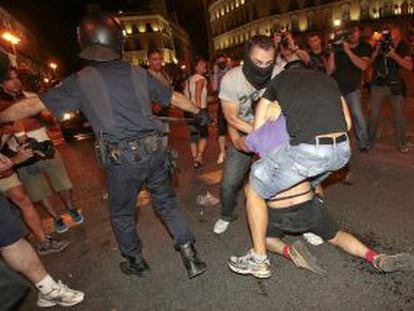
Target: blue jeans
235,167
125,180
359,123
290,165
378,96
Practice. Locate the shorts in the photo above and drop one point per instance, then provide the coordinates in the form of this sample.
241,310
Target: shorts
309,216
34,181
10,182
287,166
221,121
12,228
196,131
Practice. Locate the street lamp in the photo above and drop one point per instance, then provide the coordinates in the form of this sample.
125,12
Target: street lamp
12,39
53,66
337,22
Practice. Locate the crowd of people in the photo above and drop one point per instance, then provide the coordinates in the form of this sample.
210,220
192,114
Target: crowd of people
286,110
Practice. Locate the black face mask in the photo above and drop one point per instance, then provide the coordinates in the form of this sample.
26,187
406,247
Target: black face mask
257,76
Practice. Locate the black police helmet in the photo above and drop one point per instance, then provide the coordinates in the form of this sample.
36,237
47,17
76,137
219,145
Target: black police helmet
100,37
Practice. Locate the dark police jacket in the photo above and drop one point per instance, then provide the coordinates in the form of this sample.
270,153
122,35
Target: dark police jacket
114,96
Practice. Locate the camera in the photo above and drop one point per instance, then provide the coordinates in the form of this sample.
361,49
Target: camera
335,44
386,42
285,42
45,147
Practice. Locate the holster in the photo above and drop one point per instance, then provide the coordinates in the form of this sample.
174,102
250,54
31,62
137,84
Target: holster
101,153
112,152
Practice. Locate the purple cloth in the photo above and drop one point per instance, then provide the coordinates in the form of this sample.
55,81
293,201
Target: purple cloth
269,137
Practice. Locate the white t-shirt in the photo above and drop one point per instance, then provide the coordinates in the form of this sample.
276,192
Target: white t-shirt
190,89
235,88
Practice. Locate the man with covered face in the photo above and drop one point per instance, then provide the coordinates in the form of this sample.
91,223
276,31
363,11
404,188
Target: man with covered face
240,88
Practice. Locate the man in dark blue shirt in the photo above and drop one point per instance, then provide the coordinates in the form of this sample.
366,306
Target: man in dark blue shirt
116,98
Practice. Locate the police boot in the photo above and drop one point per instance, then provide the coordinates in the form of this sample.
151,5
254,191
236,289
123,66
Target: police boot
134,266
191,261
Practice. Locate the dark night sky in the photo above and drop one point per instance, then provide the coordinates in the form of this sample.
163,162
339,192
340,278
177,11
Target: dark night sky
55,21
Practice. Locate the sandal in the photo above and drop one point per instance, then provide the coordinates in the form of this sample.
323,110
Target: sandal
197,164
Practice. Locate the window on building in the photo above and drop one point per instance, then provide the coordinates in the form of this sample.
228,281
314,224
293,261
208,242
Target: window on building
294,21
311,20
364,10
148,27
128,29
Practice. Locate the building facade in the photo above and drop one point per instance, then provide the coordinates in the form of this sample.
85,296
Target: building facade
144,32
233,22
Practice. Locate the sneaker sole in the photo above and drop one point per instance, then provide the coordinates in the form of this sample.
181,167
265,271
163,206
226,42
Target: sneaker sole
259,275
220,231
48,304
61,231
78,222
399,262
54,251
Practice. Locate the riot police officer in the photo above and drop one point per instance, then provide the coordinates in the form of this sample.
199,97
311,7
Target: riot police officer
116,98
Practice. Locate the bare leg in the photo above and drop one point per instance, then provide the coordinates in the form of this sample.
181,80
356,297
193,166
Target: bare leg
349,244
194,150
202,144
22,258
30,215
222,143
66,197
49,208
257,218
275,245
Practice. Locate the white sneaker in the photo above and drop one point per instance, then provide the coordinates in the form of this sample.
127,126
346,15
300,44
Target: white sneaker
312,238
61,295
221,226
247,264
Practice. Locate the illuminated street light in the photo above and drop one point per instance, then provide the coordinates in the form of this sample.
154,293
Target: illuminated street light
8,36
12,39
337,22
53,66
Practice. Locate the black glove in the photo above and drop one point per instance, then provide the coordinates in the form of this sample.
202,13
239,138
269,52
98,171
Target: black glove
203,118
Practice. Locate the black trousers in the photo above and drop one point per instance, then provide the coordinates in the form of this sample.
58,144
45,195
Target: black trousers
137,169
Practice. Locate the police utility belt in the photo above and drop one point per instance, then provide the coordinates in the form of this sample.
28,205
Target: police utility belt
134,149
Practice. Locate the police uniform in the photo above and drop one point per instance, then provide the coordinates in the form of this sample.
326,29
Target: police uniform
116,99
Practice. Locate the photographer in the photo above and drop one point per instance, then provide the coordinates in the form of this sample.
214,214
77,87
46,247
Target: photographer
390,55
284,41
351,58
319,59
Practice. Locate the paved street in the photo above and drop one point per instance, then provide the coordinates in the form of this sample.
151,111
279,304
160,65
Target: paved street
378,208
